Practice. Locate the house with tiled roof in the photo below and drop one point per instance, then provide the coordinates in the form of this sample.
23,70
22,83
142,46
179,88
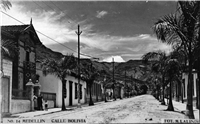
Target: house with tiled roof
23,66
26,65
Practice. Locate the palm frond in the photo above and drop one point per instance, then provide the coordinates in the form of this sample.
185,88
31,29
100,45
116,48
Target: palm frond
50,66
167,27
8,48
5,4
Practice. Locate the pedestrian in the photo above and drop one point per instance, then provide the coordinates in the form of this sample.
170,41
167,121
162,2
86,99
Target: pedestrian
35,102
46,105
40,102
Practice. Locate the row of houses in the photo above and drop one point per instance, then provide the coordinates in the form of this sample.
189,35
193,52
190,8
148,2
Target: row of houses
18,70
179,89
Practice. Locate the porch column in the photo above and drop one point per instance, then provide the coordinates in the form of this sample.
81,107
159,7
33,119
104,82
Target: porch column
30,93
37,88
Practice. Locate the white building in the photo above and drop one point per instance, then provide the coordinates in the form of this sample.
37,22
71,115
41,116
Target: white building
51,89
185,83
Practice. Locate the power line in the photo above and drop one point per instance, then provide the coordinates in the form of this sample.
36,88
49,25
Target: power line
61,10
48,6
67,20
38,5
48,36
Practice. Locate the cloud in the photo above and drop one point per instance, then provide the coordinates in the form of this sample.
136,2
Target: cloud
100,14
99,44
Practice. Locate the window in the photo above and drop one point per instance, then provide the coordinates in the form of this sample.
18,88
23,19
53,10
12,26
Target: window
80,91
184,88
27,53
76,95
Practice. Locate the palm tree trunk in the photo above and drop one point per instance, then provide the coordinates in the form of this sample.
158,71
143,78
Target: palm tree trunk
91,102
163,91
189,107
170,105
63,99
105,94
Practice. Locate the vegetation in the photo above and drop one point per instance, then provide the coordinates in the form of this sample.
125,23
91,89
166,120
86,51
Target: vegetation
61,69
159,66
5,4
8,50
181,30
90,74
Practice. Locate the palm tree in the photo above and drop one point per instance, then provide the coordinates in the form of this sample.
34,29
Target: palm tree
182,29
172,71
90,74
61,69
159,66
5,4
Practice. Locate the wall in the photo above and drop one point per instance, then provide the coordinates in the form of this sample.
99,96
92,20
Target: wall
185,76
7,69
52,84
74,101
48,83
18,106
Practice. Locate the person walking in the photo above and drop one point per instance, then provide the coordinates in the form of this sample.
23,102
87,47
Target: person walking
35,102
40,102
46,105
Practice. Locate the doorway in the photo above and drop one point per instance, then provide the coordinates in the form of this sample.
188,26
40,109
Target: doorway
70,93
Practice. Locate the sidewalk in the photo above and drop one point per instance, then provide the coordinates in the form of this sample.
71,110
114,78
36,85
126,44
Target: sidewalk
181,107
55,110
51,110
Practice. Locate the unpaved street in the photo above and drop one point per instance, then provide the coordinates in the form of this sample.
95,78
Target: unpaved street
143,109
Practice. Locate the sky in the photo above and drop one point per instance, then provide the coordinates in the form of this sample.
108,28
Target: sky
110,29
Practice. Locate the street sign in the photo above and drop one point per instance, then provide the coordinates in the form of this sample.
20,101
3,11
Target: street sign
1,74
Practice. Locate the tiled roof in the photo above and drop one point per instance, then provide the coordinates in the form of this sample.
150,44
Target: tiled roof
14,28
3,32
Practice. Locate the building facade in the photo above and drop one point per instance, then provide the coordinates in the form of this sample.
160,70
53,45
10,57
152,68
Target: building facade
51,89
23,65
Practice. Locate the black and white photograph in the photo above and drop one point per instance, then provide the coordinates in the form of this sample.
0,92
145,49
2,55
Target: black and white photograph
100,62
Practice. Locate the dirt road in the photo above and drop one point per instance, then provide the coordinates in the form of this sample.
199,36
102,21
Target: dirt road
140,109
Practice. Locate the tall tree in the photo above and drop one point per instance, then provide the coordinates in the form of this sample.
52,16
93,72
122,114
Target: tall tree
172,72
90,74
159,66
182,29
61,69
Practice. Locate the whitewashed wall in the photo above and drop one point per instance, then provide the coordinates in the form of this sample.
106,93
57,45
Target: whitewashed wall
52,84
7,70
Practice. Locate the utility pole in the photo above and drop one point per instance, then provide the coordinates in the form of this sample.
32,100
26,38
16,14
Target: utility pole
79,33
125,83
113,80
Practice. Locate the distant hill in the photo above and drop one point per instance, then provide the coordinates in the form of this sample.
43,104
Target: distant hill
43,52
135,68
